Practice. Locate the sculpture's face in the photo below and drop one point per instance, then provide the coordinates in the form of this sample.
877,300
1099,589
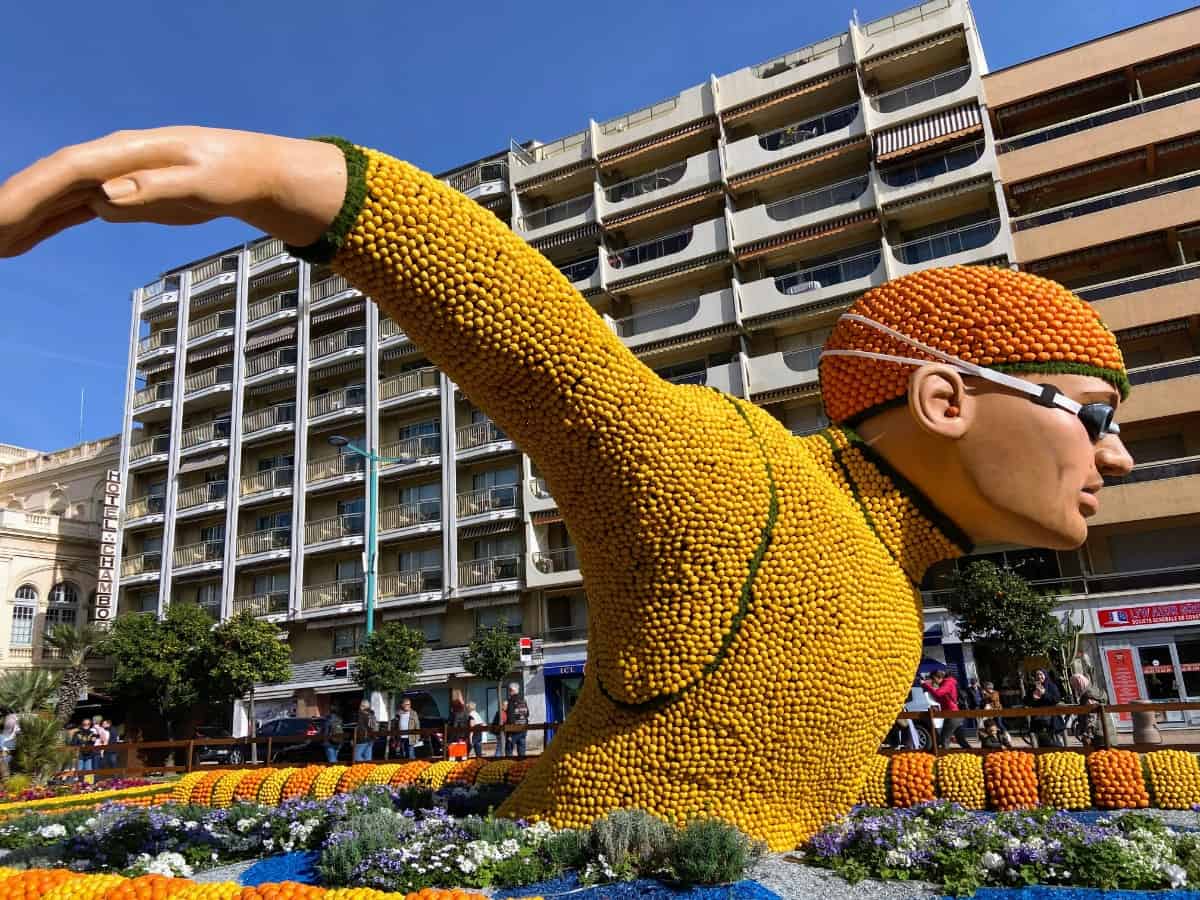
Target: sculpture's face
1036,468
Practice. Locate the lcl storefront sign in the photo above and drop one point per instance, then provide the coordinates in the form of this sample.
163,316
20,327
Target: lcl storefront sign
1148,616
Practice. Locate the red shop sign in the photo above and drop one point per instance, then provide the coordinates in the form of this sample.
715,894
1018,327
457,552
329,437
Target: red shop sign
1124,678
1159,614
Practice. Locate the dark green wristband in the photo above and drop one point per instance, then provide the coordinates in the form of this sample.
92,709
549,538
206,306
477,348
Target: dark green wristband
326,247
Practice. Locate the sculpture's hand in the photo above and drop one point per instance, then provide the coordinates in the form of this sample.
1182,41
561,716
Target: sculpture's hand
289,188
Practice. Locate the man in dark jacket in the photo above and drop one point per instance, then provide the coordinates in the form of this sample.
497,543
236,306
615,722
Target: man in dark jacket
517,716
364,732
333,736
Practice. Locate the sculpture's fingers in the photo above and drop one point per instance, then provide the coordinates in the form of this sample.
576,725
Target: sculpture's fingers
48,228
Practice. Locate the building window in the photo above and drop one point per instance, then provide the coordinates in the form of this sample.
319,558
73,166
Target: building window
491,616
22,626
208,595
146,601
55,616
65,593
26,592
558,613
347,641
430,626
275,583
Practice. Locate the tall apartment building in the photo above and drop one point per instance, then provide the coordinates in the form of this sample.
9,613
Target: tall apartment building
720,232
1098,148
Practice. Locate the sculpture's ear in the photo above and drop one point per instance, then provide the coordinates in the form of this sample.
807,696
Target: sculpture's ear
939,402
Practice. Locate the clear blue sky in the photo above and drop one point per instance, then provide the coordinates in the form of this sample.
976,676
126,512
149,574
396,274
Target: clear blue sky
436,83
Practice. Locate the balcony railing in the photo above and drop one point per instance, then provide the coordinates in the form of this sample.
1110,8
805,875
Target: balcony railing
1097,119
920,91
1134,283
651,250
264,542
1108,201
638,116
563,559
202,434
333,466
335,401
835,271
539,488
477,435
905,17
559,212
799,132
932,167
408,383
1154,471
215,322
493,499
213,268
273,359
411,582
580,269
195,554
200,494
957,240
645,184
406,515
153,394
411,449
334,528
208,378
266,250
821,198
562,145
333,593
160,443
269,306
1175,368
477,175
335,343
274,603
664,317
149,505
327,288
141,563
262,419
781,64
389,328
803,360
156,339
478,572
267,480
700,377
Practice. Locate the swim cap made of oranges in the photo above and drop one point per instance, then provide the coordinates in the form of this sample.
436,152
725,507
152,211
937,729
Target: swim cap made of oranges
993,317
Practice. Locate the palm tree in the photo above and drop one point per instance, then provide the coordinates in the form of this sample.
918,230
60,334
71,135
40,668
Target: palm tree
27,690
39,750
74,645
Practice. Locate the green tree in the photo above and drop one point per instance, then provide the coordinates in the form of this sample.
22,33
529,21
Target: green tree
38,750
27,690
160,664
491,655
389,659
997,606
245,650
74,645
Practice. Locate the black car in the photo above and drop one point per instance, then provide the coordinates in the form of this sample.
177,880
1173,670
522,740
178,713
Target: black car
302,739
217,754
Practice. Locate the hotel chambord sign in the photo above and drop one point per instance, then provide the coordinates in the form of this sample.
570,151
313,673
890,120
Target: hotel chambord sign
109,527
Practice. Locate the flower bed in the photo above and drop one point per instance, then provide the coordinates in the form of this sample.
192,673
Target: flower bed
141,794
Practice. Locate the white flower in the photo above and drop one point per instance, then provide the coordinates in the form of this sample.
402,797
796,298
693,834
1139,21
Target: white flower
269,844
960,843
1176,874
992,861
509,848
165,863
188,824
244,825
52,831
898,858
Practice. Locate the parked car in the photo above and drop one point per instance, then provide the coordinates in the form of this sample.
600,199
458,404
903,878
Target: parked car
305,740
914,734
217,754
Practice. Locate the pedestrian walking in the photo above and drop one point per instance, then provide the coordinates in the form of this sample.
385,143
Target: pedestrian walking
111,756
333,736
460,719
8,742
944,689
517,715
84,740
406,720
1089,728
364,731
475,722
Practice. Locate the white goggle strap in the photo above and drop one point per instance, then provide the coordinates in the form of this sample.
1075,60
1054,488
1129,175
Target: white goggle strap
1046,396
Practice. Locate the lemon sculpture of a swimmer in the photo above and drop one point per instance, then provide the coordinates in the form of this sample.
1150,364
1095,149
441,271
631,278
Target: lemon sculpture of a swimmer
754,616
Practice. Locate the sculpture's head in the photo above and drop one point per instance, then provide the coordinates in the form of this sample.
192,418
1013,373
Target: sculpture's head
992,390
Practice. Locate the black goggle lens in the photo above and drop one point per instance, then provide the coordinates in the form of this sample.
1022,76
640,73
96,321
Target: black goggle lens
1097,419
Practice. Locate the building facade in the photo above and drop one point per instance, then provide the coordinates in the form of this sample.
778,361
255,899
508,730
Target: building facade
720,232
51,507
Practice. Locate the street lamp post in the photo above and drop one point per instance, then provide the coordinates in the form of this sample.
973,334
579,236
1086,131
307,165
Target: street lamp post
373,461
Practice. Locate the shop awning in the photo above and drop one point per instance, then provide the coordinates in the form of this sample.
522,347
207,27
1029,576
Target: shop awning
203,462
923,133
495,600
339,312
282,335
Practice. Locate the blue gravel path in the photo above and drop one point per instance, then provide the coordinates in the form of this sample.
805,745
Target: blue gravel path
284,867
1069,893
568,885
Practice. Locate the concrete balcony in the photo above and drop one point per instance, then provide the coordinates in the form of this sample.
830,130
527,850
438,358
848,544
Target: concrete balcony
493,504
265,486
493,575
786,369
711,310
726,378
414,386
272,606
267,255
1152,491
416,453
390,333
343,403
689,106
660,185
562,216
267,423
583,273
691,245
760,150
1146,298
155,397
410,520
160,294
334,533
212,328
537,496
486,179
925,97
330,292
150,452
332,596
782,72
264,546
965,163
214,274
813,286
203,556
201,499
334,471
208,383
143,511
956,247
43,525
208,436
414,587
272,366
276,308
553,568
337,347
892,32
481,439
141,568
832,201
546,158
156,344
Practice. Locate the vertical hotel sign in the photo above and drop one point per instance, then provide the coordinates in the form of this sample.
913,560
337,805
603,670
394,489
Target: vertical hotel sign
110,524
